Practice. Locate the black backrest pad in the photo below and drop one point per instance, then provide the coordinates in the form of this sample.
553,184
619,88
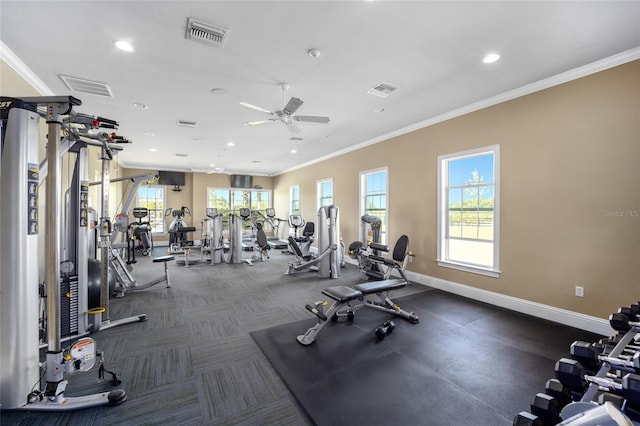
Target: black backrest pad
309,229
401,248
261,238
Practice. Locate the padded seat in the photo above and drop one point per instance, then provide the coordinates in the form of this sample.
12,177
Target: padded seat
342,293
379,286
183,229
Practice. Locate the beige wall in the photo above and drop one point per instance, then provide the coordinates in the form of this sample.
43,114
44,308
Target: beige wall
569,160
194,194
569,157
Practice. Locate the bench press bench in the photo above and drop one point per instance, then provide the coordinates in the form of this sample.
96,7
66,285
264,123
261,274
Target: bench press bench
346,300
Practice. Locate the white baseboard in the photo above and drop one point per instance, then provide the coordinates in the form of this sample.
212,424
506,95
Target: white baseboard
562,316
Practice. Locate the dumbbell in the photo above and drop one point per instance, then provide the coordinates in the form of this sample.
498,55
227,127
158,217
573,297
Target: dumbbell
571,374
546,408
524,418
562,394
632,364
628,387
585,353
630,312
385,329
621,322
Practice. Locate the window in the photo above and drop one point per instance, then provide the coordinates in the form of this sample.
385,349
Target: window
219,198
240,199
231,200
294,199
468,210
325,192
260,200
373,197
153,198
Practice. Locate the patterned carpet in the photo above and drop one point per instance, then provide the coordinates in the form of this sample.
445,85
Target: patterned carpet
193,362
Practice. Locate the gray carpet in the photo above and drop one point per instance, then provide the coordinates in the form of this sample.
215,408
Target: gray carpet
194,362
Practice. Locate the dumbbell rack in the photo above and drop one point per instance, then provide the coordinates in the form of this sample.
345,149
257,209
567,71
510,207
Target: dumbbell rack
614,363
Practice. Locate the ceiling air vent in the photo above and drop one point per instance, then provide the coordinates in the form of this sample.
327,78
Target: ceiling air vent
87,86
185,123
205,33
382,90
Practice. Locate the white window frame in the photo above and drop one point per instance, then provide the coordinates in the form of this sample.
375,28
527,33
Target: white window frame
320,194
164,206
252,197
291,210
363,194
443,213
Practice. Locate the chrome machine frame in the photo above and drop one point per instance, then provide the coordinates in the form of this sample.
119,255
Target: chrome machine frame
19,221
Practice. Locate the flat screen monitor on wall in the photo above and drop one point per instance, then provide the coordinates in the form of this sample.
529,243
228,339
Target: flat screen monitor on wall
241,181
171,178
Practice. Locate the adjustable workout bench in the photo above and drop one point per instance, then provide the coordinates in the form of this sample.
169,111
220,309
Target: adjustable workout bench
349,299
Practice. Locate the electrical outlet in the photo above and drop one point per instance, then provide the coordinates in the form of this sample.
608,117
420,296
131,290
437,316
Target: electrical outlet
579,291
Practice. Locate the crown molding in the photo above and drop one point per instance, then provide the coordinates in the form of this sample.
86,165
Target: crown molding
564,77
23,70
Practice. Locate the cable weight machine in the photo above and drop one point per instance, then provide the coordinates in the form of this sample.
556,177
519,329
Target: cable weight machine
19,175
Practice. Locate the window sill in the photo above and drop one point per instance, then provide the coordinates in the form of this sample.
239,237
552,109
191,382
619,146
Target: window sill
469,268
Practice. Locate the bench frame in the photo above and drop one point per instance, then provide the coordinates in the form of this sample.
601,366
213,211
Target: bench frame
347,300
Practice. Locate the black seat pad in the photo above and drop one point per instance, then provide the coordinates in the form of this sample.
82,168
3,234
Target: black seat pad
342,293
183,229
378,286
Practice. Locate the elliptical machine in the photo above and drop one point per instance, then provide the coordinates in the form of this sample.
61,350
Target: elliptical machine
141,231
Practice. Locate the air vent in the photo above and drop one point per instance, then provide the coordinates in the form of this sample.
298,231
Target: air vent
205,33
382,90
181,155
185,123
87,86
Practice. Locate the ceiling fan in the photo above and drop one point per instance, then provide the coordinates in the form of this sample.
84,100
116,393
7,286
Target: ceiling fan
286,114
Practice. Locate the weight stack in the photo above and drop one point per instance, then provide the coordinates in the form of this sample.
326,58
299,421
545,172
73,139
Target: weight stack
69,306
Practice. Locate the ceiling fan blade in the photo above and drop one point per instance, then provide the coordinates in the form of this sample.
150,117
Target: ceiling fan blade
292,106
255,123
310,119
257,108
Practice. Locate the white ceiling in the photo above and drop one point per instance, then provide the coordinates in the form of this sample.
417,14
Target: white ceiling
431,50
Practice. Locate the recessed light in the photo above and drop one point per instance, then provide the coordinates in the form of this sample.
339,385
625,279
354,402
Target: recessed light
294,151
124,45
378,110
216,91
140,105
314,53
212,165
153,150
231,143
491,58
